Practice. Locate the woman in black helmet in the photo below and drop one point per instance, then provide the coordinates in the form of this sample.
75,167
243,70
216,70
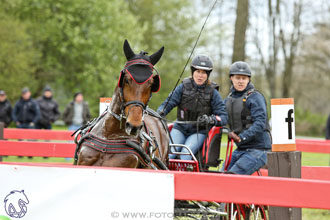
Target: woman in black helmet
247,111
197,99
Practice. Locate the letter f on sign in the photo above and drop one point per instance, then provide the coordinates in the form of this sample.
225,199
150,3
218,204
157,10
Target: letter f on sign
289,119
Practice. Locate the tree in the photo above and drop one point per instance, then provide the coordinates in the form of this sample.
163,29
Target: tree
312,83
170,23
289,48
270,59
81,43
242,15
18,57
280,39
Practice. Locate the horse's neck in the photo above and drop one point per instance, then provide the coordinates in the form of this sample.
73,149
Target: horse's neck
112,125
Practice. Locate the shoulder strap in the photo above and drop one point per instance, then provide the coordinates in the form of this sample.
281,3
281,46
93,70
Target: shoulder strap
214,86
187,83
249,92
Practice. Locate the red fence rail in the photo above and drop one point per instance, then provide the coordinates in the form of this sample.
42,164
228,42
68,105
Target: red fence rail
313,146
14,133
36,149
304,145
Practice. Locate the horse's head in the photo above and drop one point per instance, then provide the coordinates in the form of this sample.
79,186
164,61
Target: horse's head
136,84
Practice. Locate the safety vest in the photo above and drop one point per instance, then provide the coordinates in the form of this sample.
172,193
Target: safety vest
195,101
239,116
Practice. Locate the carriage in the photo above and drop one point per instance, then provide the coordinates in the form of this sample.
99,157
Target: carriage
208,160
130,134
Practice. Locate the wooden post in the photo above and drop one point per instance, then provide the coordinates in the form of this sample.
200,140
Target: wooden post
284,161
2,125
284,164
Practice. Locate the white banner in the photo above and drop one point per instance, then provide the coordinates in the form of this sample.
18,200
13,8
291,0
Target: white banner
53,193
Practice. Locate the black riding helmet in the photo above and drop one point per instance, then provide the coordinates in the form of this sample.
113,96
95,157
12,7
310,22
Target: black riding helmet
240,68
202,62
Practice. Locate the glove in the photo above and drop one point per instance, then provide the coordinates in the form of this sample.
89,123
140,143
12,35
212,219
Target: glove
235,137
206,119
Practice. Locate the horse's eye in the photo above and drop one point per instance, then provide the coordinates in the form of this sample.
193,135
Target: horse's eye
126,80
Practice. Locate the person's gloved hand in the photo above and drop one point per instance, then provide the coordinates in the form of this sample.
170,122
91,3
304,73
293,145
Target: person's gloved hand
207,119
235,137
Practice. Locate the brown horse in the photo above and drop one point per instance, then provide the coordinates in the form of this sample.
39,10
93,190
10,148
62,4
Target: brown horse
127,135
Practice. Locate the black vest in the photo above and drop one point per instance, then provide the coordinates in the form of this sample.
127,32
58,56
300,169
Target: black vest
239,116
195,102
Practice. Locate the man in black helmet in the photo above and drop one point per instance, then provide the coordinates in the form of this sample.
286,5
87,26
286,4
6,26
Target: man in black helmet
197,99
248,121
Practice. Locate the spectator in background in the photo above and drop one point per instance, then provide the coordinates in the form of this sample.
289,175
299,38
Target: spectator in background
5,109
327,129
76,112
26,111
48,109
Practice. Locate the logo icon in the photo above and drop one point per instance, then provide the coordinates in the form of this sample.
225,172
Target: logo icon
15,204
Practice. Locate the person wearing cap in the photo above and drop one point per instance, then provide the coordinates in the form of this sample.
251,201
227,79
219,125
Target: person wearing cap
76,112
197,99
26,111
248,121
48,109
5,109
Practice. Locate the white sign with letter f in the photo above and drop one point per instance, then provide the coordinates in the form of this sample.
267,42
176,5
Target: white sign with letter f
283,125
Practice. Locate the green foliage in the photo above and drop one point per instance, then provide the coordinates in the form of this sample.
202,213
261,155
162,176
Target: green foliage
171,24
309,124
79,43
18,57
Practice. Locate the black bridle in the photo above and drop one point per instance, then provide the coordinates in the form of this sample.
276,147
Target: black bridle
133,103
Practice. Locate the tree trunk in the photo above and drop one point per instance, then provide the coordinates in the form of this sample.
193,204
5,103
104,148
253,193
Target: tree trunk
242,14
289,48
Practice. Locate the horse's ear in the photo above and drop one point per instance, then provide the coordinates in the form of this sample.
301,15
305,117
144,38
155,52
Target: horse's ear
121,79
129,53
156,85
154,58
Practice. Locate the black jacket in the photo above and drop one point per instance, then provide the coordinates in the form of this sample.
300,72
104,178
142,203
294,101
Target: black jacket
48,110
26,111
5,112
327,129
217,106
256,136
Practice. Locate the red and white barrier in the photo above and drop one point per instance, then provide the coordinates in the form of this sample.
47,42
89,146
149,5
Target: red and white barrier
52,193
310,192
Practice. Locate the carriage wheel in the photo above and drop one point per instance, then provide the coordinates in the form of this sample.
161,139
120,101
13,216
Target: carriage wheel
256,212
234,212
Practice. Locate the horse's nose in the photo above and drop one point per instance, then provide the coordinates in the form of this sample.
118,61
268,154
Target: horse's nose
132,130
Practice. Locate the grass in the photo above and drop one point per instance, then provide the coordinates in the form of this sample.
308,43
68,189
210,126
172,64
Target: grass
37,160
315,159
